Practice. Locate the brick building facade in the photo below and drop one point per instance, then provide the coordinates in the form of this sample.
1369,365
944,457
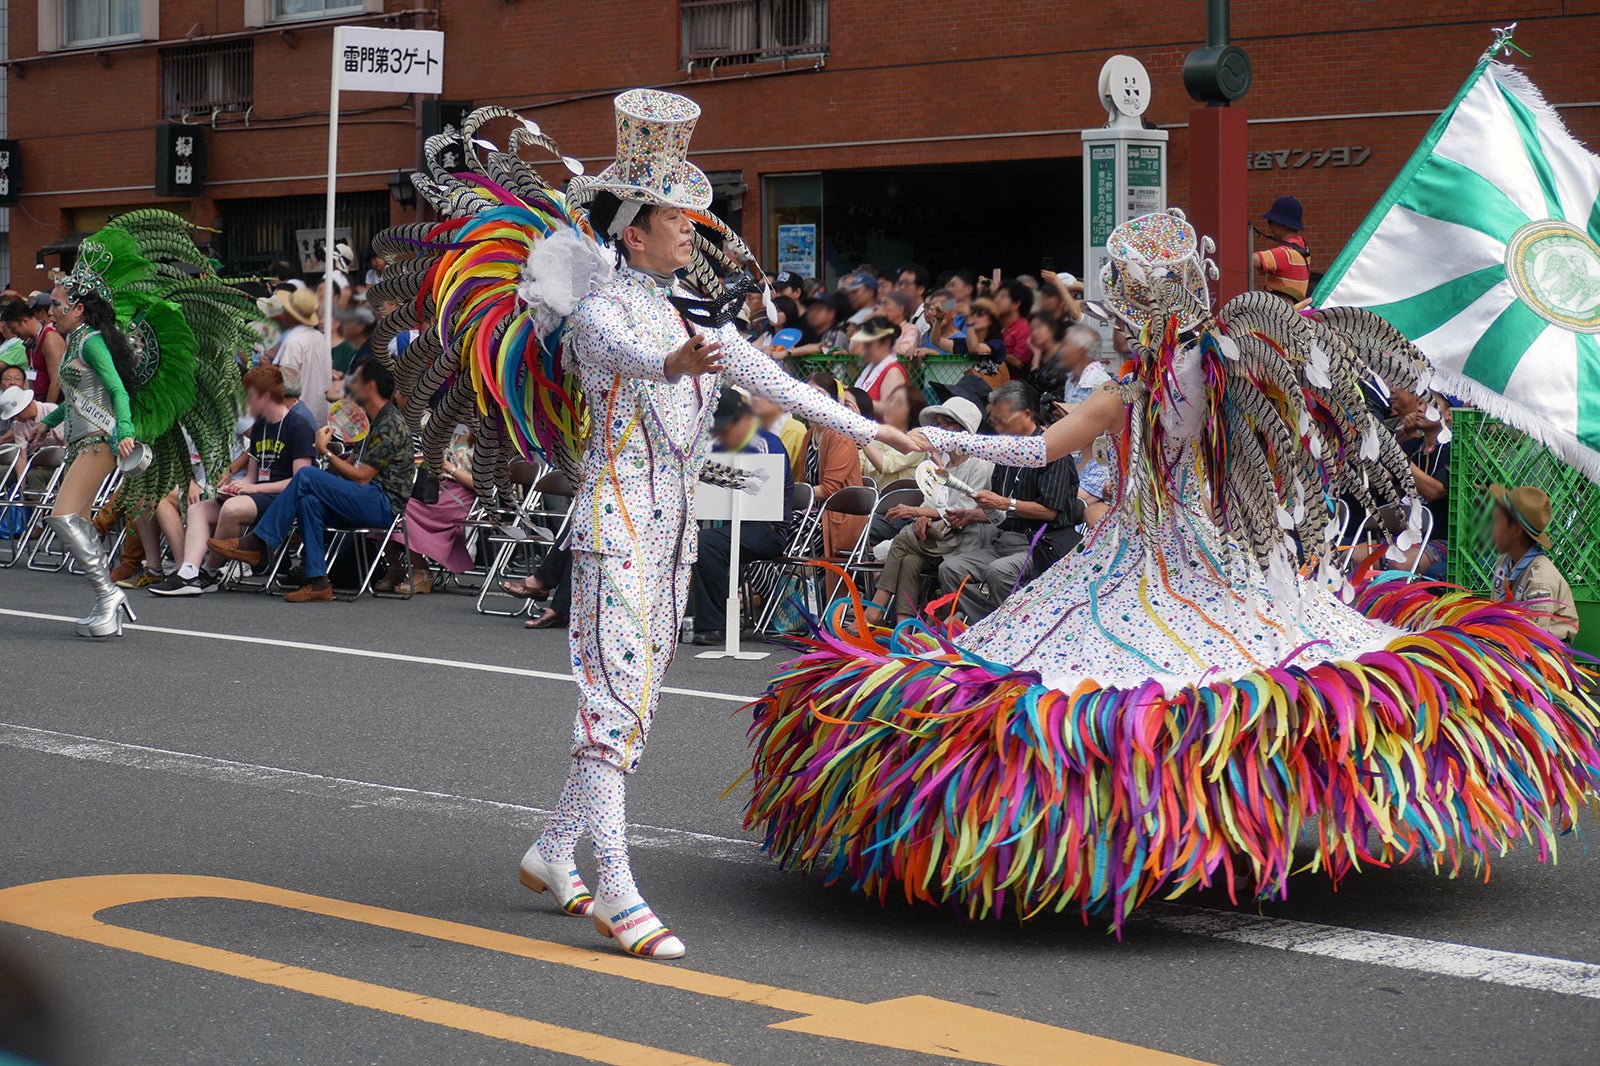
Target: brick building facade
944,129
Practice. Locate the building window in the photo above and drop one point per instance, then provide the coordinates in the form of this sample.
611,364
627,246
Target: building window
86,23
269,12
746,31
204,79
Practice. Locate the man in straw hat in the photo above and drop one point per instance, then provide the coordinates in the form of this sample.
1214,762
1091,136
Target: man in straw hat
1524,572
304,350
649,354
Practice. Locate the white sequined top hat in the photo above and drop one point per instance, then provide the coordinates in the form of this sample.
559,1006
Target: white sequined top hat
652,167
1157,269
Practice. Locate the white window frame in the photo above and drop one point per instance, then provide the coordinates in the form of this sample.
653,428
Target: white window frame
259,13
53,27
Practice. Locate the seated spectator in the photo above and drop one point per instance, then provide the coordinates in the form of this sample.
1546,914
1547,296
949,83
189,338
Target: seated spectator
436,532
881,373
899,309
368,491
983,344
942,524
786,427
734,429
1524,572
1094,482
1080,356
860,291
1013,302
25,434
1058,296
1421,435
281,445
833,462
823,329
1026,501
13,377
881,463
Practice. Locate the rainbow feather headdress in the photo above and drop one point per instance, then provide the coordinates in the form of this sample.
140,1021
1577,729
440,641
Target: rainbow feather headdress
485,294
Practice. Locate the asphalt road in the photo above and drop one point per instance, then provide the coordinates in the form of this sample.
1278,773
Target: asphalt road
412,786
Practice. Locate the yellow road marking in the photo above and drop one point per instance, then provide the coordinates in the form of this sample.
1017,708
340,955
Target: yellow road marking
68,907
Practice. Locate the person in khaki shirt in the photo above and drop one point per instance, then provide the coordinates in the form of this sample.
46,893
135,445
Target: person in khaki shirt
1524,572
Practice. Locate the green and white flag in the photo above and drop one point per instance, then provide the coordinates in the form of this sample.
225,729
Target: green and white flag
1485,252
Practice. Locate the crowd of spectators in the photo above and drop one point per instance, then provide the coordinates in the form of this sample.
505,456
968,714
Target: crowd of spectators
1012,355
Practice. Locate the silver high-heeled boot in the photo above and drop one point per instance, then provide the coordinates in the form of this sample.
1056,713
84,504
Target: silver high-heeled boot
111,603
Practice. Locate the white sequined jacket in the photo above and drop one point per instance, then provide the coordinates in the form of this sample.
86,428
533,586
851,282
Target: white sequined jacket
650,435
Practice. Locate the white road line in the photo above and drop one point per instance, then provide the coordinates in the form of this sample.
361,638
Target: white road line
367,653
349,791
1538,972
1514,969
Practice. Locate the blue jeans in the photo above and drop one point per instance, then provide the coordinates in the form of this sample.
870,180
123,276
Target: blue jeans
316,498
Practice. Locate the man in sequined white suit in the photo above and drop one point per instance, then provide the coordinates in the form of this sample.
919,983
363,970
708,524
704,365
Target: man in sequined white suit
652,380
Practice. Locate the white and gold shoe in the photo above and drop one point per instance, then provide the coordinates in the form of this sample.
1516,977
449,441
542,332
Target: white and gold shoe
539,874
634,926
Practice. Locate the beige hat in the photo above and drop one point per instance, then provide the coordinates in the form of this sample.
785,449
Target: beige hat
300,305
1529,506
959,408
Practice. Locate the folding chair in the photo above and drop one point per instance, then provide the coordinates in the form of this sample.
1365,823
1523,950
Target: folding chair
359,539
44,555
857,501
486,519
1389,522
537,529
869,567
31,505
762,577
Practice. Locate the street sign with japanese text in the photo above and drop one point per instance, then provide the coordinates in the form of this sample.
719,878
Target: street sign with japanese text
378,60
180,159
10,173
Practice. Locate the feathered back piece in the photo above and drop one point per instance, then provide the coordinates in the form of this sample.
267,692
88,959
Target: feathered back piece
186,326
1287,430
488,290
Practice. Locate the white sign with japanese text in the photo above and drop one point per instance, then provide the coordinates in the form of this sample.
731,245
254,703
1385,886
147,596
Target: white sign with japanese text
377,60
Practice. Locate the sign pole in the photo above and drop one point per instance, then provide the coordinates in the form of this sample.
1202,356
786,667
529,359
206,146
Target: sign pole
731,621
333,178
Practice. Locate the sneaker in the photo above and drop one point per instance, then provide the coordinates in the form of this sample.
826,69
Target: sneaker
209,581
178,586
142,580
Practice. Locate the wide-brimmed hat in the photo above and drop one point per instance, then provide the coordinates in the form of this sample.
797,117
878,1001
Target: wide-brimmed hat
1285,211
14,401
1530,506
652,166
1156,268
300,305
877,328
959,408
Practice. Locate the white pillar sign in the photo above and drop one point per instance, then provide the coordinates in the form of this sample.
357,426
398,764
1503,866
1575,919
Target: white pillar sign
1124,164
373,59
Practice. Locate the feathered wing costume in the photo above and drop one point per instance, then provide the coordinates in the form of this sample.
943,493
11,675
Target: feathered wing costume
186,326
1175,706
482,298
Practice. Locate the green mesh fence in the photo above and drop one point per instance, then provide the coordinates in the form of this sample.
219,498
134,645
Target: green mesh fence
1485,452
940,369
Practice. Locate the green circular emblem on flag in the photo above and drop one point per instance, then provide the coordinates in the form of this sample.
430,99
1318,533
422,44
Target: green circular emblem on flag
1554,267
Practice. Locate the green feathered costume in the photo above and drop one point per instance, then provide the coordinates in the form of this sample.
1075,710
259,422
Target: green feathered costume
186,326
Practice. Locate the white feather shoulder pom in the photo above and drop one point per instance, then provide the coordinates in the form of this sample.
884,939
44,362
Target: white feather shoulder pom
562,269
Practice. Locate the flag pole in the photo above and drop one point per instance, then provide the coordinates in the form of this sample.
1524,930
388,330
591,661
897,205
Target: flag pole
333,180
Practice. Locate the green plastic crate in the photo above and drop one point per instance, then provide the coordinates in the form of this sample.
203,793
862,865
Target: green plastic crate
1486,452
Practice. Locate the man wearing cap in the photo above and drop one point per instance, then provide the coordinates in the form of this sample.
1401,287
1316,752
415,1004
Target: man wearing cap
788,283
860,291
1287,264
650,354
822,329
1524,572
303,350
734,429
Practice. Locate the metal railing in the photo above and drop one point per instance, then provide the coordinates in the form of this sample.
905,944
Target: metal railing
200,79
746,31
